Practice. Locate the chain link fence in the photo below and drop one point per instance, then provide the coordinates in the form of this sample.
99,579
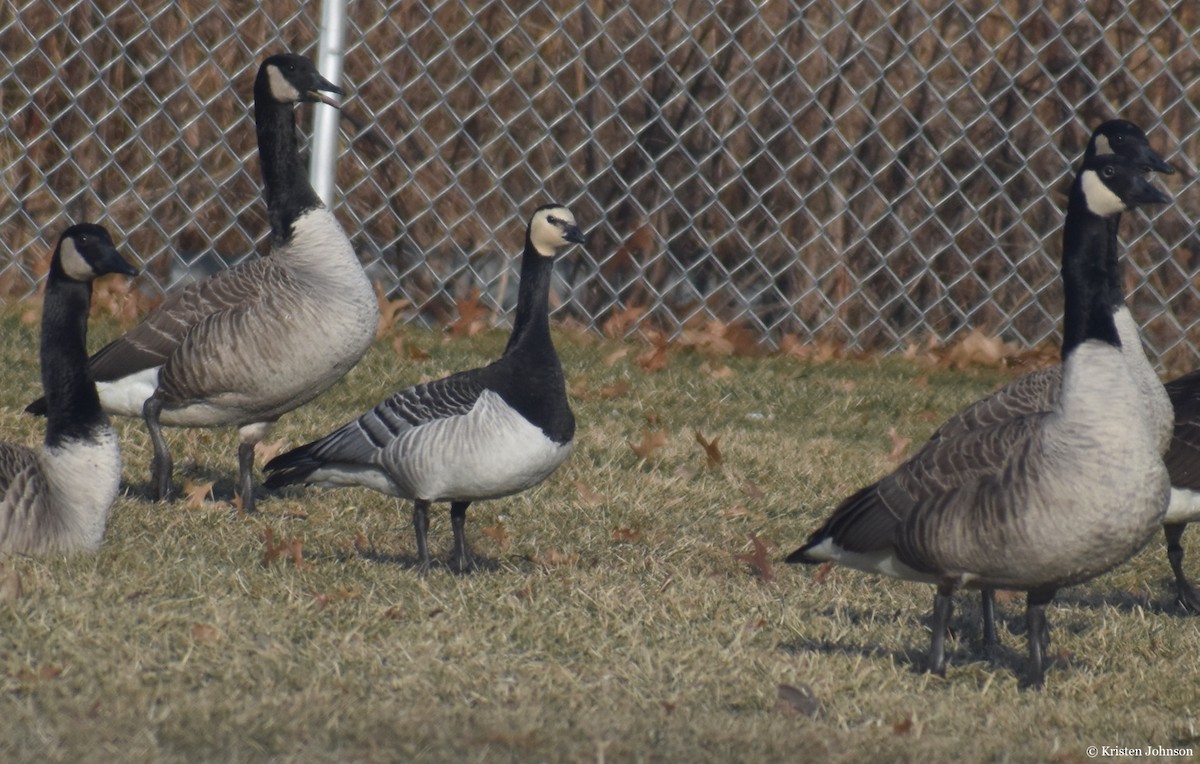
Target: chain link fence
871,173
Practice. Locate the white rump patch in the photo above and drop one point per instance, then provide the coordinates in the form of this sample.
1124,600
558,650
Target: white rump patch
73,263
1100,198
883,561
127,395
281,90
1184,506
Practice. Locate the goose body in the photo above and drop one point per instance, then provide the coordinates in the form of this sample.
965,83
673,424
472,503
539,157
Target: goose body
57,500
1036,501
257,340
478,434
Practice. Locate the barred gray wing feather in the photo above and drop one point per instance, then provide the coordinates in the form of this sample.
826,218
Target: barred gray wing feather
362,441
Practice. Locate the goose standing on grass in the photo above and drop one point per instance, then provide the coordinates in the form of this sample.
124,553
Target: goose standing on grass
1036,502
257,340
57,500
479,434
1183,465
1037,392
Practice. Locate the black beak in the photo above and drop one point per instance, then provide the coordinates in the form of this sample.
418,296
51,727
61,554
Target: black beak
1143,192
315,92
110,261
1148,157
573,234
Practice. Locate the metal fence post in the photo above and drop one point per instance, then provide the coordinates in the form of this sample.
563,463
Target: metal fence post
330,54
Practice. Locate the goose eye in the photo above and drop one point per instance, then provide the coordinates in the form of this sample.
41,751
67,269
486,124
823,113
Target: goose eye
1119,139
1110,171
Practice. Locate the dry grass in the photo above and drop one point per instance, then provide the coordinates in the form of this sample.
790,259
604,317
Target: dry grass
624,622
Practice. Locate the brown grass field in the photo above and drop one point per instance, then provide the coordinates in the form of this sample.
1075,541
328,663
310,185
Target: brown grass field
629,619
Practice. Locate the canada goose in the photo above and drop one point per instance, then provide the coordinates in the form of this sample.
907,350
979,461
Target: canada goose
478,434
57,500
1183,465
1036,392
1037,502
257,340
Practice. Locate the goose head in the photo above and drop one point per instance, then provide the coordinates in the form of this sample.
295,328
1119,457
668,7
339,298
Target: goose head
291,78
1125,139
551,228
85,251
1112,184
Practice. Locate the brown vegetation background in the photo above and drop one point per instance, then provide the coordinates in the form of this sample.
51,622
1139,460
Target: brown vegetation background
874,174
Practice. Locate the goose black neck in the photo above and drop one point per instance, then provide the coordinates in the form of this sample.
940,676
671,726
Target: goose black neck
288,192
72,406
531,327
1116,270
1087,277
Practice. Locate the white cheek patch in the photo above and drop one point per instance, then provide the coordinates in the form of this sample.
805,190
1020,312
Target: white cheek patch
282,90
546,236
1100,198
1103,146
73,263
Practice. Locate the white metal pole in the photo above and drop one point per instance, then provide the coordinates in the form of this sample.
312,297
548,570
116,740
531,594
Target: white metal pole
330,53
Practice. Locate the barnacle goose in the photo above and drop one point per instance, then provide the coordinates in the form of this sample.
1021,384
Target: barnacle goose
1035,502
57,499
478,434
257,340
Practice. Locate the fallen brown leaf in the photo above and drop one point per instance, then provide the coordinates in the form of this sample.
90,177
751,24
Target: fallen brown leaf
203,632
265,452
752,490
552,557
652,440
389,310
903,727
823,571
712,450
758,560
899,446
621,321
587,496
470,315
43,674
626,534
654,359
196,493
499,534
798,701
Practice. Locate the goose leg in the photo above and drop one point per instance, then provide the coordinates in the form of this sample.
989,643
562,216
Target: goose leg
1038,634
161,466
246,476
943,608
987,600
252,435
421,530
1185,594
461,559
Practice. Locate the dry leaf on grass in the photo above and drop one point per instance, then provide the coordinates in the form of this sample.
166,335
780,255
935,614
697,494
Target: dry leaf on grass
978,349
626,534
752,490
43,674
712,450
823,571
654,359
899,446
798,701
389,310
203,632
903,726
499,534
615,356
758,560
470,315
265,452
652,440
553,558
587,496
195,494
620,321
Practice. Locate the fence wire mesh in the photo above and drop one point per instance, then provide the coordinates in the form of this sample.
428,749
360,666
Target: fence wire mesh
874,173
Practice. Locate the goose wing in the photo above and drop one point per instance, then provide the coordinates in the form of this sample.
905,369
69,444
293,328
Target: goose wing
362,441
152,342
23,495
1030,394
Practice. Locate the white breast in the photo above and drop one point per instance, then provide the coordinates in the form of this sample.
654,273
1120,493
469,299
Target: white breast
83,476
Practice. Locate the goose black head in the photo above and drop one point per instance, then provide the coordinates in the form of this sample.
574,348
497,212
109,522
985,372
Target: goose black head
85,251
1125,139
551,228
290,78
1111,184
